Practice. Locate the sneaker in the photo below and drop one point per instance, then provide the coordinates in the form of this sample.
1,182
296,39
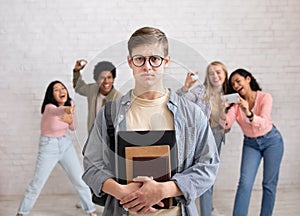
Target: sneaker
215,212
93,213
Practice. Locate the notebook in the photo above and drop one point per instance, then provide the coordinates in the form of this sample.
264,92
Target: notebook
147,153
148,161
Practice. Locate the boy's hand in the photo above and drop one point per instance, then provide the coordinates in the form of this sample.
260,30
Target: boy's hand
128,189
80,64
142,200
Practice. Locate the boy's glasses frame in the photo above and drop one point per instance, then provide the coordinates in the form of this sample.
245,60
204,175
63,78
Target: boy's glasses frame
139,60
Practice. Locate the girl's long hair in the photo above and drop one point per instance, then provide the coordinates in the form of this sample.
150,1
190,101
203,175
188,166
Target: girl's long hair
49,98
244,73
207,84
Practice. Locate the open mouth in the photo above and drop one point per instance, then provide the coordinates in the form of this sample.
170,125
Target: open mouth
239,89
62,96
106,86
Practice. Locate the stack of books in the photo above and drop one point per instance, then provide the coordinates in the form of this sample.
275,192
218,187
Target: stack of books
147,153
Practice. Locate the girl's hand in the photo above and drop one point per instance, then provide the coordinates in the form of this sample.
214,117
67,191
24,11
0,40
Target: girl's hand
66,118
189,82
70,109
244,105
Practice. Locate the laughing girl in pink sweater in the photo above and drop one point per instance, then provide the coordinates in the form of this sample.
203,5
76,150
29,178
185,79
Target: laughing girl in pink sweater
262,140
56,147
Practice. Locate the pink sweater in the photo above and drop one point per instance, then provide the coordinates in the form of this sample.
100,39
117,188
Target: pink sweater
262,122
52,125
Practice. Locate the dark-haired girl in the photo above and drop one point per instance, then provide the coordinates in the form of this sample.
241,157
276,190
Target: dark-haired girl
56,147
262,140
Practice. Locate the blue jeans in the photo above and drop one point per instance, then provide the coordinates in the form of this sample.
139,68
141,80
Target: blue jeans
206,198
52,151
270,148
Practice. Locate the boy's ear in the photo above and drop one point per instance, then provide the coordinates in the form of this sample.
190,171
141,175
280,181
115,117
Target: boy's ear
129,61
167,61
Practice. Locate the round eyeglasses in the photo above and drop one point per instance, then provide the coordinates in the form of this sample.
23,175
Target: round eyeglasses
154,61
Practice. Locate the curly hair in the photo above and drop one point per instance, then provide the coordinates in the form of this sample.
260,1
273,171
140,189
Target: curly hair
104,66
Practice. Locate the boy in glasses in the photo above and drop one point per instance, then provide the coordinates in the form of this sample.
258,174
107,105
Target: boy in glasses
151,106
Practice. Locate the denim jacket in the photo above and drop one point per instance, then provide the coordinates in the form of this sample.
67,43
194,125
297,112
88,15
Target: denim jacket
197,95
198,160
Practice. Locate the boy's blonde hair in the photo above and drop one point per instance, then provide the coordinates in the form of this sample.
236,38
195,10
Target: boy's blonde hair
148,35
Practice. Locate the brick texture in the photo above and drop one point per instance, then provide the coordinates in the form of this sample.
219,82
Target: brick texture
40,41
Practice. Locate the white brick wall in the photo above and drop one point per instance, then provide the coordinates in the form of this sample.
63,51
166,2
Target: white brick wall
40,41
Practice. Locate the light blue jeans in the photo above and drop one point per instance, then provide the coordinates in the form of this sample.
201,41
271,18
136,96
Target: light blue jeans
270,148
206,198
52,151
